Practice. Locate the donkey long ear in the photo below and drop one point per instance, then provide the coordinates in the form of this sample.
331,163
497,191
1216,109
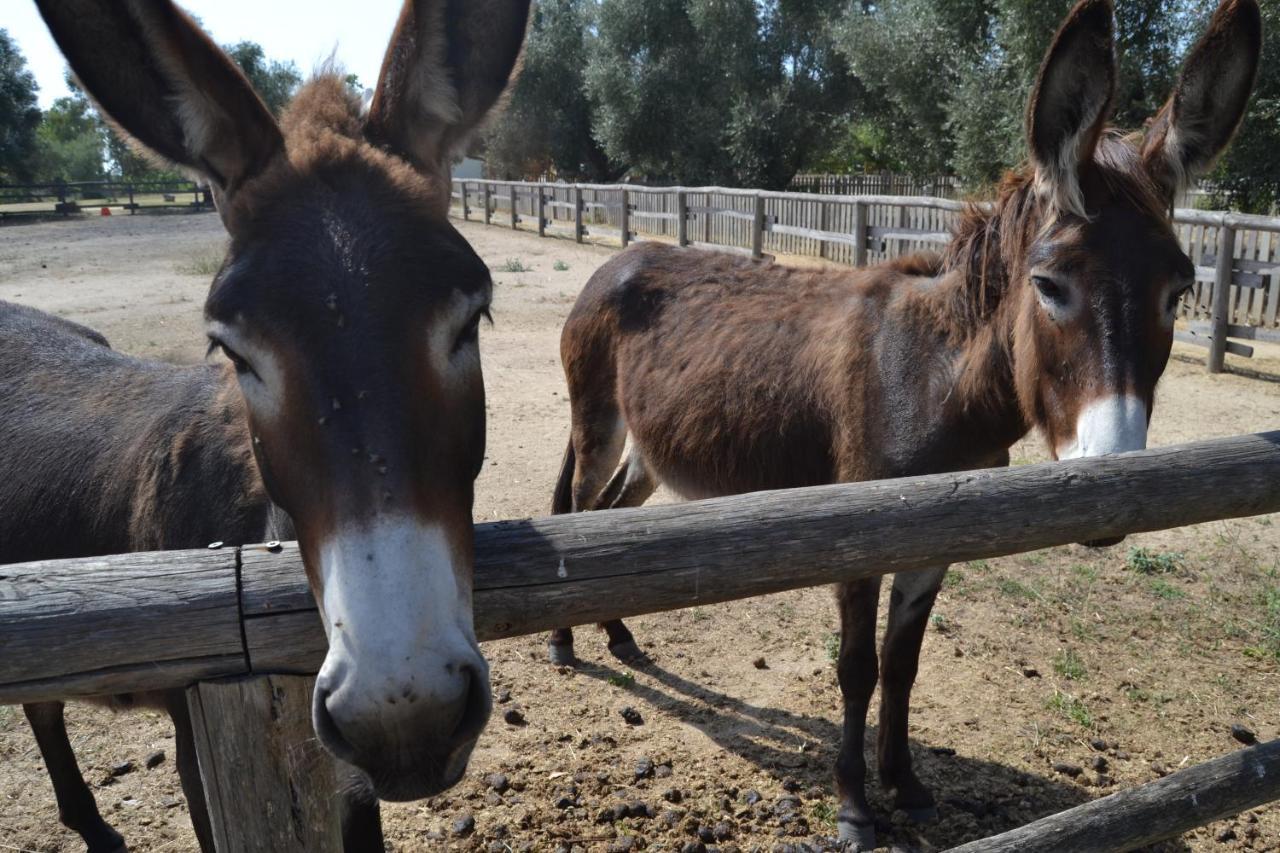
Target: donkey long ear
1209,99
1070,102
448,63
159,78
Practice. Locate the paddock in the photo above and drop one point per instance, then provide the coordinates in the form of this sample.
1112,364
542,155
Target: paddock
1033,658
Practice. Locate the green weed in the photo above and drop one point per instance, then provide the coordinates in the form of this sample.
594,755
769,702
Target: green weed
1146,562
560,266
514,265
1069,665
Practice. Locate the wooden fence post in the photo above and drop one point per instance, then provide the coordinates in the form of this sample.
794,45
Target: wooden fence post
625,219
682,218
577,213
542,211
757,227
133,208
822,226
466,201
1222,298
513,193
268,782
860,234
487,208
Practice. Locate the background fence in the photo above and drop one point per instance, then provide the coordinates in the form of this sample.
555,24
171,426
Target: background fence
884,183
1237,256
71,197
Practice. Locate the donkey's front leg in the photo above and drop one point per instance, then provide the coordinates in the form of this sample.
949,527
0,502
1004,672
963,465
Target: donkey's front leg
857,670
909,606
76,807
175,702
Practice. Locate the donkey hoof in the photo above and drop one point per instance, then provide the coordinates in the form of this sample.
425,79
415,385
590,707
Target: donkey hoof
561,654
857,837
628,652
921,814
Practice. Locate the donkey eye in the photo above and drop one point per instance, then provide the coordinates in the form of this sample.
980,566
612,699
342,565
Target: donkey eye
240,365
1048,288
471,331
1176,297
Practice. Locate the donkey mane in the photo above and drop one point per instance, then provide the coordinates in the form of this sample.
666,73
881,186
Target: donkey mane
323,129
988,245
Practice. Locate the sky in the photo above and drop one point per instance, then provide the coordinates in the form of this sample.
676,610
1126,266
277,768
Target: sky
305,31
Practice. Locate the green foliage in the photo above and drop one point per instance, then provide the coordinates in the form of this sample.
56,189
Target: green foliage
1249,172
715,91
514,265
1069,665
1147,562
19,114
625,680
70,142
274,81
1070,707
546,127
560,266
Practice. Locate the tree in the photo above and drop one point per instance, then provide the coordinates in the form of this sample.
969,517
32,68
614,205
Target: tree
714,91
19,114
1249,172
274,81
546,125
70,142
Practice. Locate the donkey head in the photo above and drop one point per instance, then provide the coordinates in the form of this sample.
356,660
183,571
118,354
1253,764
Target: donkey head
348,307
1097,265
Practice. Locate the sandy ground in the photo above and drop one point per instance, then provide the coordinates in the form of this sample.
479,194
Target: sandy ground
1097,659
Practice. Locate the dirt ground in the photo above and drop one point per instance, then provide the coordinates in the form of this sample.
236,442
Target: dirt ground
1047,678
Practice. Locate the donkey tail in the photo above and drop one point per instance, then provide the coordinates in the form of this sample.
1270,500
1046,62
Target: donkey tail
562,500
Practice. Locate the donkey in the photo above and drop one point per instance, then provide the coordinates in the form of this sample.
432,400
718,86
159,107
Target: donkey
1054,308
351,401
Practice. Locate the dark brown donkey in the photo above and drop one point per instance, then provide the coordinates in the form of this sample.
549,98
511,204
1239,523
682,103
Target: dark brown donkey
353,400
1053,309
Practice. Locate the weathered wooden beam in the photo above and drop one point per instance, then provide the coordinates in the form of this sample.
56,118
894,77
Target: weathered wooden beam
268,782
63,625
1221,299
1153,812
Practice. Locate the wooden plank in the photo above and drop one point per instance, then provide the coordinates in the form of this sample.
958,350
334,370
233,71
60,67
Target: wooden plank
624,220
757,226
268,782
577,215
1205,339
1248,333
1221,299
535,574
682,218
135,599
1156,811
860,225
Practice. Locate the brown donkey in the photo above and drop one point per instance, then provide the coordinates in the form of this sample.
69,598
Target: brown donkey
1053,309
353,400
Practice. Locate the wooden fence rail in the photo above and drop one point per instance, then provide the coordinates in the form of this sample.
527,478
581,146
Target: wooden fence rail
1237,256
149,621
140,622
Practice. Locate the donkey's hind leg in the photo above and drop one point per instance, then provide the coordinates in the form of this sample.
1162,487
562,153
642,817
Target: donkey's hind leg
909,606
76,807
631,485
595,447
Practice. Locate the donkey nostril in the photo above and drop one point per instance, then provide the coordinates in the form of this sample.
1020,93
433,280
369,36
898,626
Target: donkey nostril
478,704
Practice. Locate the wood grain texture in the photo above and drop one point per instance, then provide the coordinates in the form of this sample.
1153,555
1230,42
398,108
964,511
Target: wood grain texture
269,783
1153,812
536,574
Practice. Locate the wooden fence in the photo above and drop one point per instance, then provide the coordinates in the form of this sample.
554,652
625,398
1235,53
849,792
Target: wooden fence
66,198
883,183
140,622
1237,256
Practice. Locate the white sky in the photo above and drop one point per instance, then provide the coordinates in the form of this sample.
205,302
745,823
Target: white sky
306,31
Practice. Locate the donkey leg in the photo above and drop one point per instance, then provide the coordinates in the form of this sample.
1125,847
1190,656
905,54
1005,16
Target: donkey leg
857,671
76,807
631,485
909,605
175,702
599,436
